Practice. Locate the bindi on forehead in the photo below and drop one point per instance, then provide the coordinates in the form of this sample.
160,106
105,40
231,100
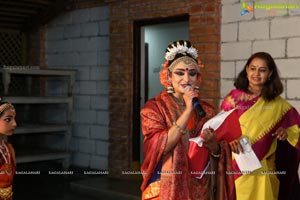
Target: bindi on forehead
185,69
257,62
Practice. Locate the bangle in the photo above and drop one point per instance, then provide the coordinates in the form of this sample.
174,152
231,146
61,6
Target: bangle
179,128
215,155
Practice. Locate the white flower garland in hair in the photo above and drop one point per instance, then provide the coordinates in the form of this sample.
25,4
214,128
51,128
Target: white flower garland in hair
171,53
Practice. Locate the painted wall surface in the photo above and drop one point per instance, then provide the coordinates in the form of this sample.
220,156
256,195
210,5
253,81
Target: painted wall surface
79,40
265,27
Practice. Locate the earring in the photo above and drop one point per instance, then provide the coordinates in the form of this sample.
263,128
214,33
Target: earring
170,89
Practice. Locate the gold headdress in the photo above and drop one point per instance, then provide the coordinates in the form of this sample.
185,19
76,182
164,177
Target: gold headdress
5,106
180,48
176,52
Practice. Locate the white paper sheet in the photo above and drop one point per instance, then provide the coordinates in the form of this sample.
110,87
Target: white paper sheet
213,123
247,161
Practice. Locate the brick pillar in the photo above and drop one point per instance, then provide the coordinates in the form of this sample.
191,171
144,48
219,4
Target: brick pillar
205,28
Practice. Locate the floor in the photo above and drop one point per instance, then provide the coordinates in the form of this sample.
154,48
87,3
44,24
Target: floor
45,187
76,186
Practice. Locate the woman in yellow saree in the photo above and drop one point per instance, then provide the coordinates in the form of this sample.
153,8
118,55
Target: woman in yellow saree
271,125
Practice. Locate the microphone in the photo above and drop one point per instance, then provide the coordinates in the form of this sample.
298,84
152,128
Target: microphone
196,104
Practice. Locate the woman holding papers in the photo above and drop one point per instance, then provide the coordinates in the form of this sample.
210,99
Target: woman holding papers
270,125
168,121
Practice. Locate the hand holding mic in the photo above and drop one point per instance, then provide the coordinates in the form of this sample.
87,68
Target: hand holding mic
196,104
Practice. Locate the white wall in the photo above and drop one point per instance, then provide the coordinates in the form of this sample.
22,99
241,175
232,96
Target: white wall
80,40
276,31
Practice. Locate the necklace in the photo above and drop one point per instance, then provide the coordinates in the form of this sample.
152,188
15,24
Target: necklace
6,156
179,102
252,93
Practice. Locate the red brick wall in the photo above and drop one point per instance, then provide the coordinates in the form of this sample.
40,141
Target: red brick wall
36,48
81,4
204,22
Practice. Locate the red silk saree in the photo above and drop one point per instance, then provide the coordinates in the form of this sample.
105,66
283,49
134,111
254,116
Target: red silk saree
168,176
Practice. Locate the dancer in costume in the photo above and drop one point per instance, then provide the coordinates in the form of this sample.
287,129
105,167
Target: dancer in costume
168,121
7,159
